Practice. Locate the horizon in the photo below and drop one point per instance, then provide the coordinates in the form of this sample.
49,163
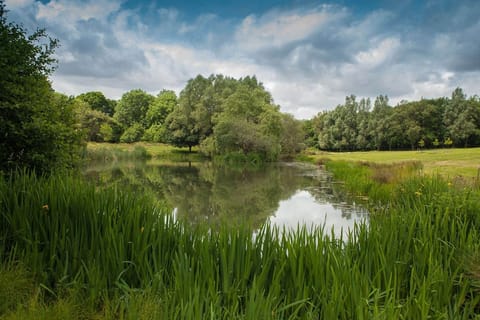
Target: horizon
308,54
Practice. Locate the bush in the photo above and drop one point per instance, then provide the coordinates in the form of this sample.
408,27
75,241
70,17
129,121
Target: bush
132,134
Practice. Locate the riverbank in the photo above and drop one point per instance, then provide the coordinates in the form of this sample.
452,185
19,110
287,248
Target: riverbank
71,250
141,150
449,163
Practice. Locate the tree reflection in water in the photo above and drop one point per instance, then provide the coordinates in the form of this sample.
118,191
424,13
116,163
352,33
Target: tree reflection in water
284,194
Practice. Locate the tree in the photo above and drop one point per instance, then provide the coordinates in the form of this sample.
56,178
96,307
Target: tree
462,119
133,133
292,137
132,108
155,119
99,102
161,107
96,125
249,122
184,129
37,128
379,125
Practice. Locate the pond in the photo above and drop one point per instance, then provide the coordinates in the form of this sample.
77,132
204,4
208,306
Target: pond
282,194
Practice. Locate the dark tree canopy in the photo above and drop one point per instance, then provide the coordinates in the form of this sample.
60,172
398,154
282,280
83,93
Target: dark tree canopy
37,126
97,101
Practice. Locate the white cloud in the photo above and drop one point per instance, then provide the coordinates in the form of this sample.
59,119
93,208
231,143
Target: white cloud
378,54
18,4
309,59
278,29
69,11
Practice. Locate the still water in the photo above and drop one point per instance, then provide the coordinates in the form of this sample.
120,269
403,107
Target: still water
282,194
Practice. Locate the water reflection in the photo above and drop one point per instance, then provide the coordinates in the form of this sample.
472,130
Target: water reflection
282,194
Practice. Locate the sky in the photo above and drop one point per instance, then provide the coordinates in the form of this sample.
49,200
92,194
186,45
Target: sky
309,54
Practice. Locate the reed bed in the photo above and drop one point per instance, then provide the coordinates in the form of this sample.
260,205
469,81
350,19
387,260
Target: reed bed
71,250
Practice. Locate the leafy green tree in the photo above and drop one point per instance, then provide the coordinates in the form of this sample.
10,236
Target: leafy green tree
183,128
155,119
132,108
448,142
364,135
133,133
379,124
92,121
155,133
161,107
310,132
106,132
99,102
462,118
37,128
292,138
249,122
421,143
325,129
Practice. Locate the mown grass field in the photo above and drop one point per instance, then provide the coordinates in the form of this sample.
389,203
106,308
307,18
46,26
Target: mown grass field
448,163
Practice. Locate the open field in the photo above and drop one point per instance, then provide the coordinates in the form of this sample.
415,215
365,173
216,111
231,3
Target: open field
448,163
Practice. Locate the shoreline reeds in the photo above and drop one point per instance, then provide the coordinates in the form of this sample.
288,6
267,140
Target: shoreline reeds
108,253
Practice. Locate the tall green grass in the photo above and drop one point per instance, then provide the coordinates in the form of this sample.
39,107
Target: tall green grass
112,254
112,153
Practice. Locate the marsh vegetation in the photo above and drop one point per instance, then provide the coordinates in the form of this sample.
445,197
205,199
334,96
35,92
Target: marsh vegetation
107,252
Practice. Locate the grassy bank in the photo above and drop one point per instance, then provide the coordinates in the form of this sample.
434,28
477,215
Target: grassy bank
447,162
73,251
129,151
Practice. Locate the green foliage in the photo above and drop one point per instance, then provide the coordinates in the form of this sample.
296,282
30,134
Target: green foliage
97,101
462,119
292,138
156,133
448,142
96,125
117,254
421,143
133,133
133,107
37,126
190,121
352,126
160,108
225,115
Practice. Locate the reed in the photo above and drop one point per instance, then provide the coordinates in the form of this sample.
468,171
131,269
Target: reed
113,254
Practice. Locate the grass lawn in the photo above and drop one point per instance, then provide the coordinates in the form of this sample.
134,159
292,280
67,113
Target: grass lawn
449,163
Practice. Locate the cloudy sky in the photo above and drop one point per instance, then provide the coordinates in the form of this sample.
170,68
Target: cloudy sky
309,54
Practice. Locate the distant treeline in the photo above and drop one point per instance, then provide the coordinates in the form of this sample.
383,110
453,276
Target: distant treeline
222,115
428,123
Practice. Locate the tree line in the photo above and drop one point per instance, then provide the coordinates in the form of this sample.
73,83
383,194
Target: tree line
220,114
427,123
225,117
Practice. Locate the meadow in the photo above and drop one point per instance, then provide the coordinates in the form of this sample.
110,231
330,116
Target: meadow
140,150
449,163
71,250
